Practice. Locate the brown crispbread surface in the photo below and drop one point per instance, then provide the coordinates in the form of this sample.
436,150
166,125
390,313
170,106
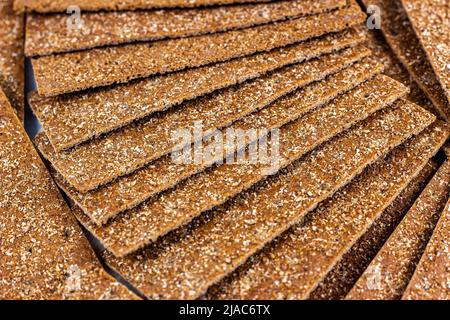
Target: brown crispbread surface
12,35
102,160
44,252
298,261
184,264
128,191
46,6
431,278
446,149
140,226
395,69
390,271
340,280
71,119
80,70
49,34
431,22
401,37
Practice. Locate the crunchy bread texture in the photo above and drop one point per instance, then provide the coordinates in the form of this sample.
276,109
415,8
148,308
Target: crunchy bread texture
49,34
142,225
431,22
389,273
44,252
46,6
295,263
12,35
71,119
102,160
401,37
431,277
127,192
184,264
76,71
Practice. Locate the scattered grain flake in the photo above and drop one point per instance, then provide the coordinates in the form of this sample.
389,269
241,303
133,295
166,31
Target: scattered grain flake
44,252
184,266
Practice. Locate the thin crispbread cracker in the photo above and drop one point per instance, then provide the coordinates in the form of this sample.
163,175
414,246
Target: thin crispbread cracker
129,191
71,119
184,264
446,149
49,34
102,160
431,278
401,37
431,22
12,76
389,273
295,263
44,252
76,71
46,6
142,225
395,69
340,280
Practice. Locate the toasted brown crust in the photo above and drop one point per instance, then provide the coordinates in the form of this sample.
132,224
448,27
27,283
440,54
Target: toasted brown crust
44,252
122,152
431,278
186,264
395,69
395,263
46,6
12,77
298,261
142,225
71,119
401,37
431,22
49,34
76,71
129,191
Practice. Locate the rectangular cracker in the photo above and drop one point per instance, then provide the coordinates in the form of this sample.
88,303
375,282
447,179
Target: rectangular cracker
389,273
401,37
71,119
102,160
431,280
339,281
12,76
126,192
395,69
142,225
46,6
184,264
44,252
298,261
76,71
431,22
49,34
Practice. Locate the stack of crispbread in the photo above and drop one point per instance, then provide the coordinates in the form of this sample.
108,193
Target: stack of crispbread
343,204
